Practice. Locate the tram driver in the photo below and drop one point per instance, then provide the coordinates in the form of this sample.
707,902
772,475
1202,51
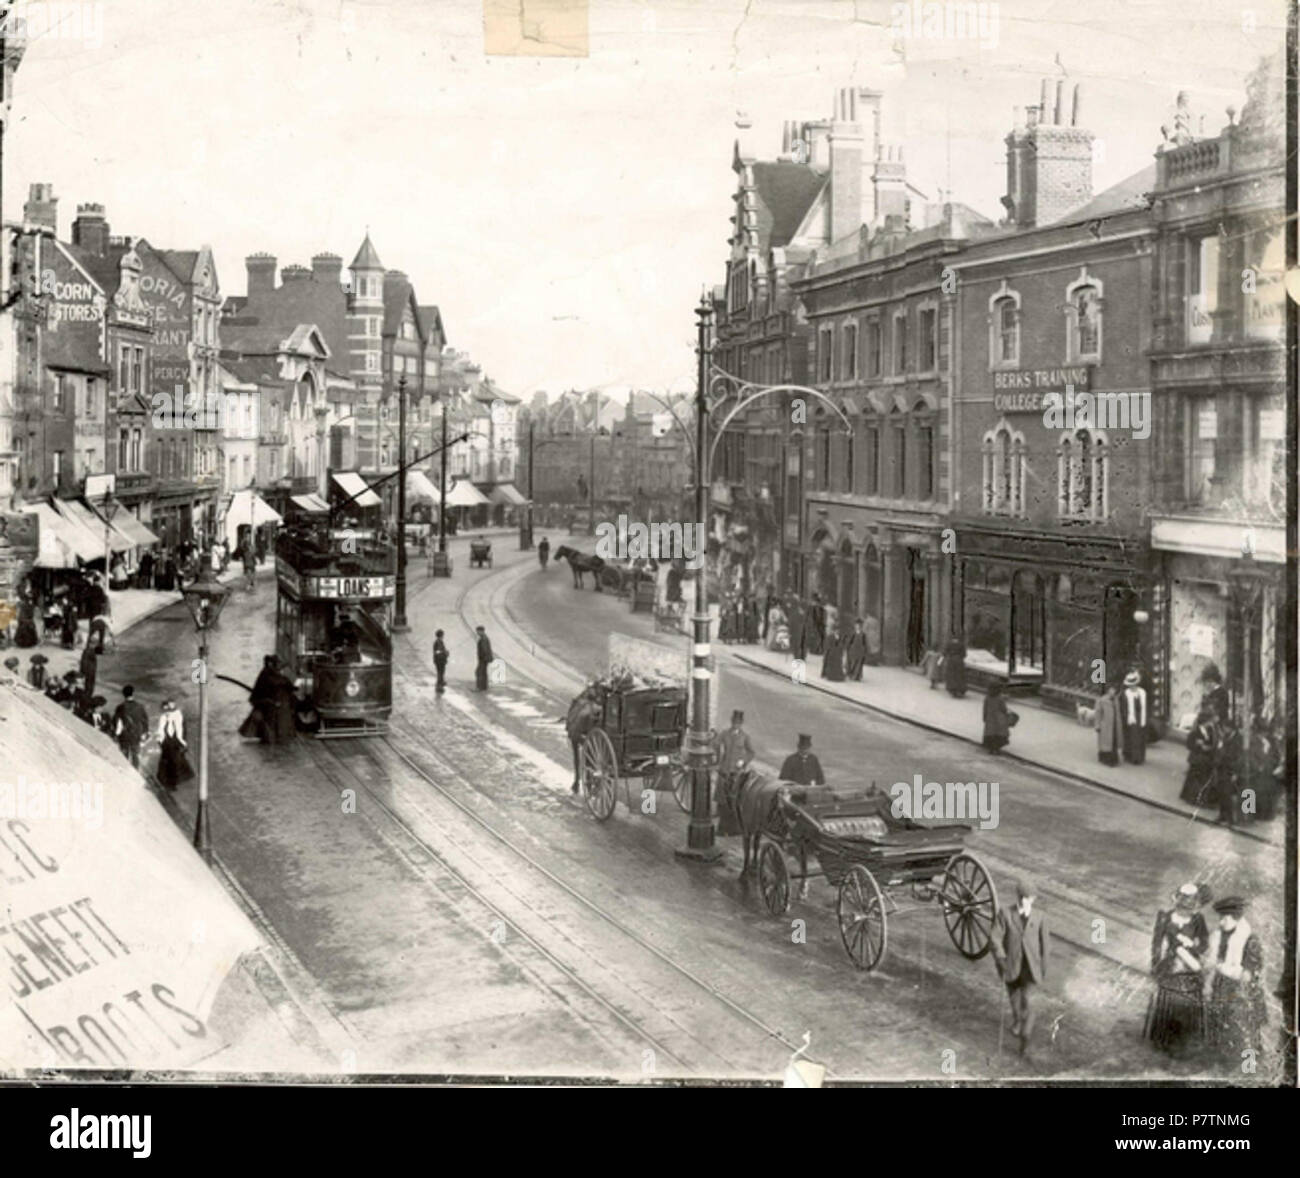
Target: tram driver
345,639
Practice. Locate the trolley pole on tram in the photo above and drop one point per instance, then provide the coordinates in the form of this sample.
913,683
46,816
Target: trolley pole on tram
701,846
399,609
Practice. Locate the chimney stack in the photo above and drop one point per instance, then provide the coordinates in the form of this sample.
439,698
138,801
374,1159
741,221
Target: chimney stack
327,268
261,274
1049,162
90,230
42,207
846,187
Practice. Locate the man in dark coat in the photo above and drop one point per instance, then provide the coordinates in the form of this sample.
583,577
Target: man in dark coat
1020,948
483,649
89,667
258,725
798,623
130,725
954,667
440,656
816,624
735,752
802,766
1133,718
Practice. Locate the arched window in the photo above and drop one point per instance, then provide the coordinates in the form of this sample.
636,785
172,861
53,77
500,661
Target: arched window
1083,476
1004,470
1004,328
1083,307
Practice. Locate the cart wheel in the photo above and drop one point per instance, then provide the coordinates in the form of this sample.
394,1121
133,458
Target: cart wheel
773,878
599,773
683,789
861,911
970,902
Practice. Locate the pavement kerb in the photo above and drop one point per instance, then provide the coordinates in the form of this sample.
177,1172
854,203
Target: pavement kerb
1193,816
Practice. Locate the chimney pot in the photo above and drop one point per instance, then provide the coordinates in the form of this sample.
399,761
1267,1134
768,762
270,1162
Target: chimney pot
1060,102
90,229
261,273
1077,111
42,207
1044,113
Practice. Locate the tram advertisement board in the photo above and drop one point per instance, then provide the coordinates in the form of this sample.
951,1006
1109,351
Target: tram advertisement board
334,588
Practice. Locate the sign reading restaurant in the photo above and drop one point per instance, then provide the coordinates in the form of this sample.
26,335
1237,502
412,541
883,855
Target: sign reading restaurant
1022,391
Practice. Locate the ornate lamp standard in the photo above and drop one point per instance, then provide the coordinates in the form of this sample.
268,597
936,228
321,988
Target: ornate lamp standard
204,598
700,840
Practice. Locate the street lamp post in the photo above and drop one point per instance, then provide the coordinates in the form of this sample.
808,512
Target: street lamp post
399,609
701,845
204,598
526,521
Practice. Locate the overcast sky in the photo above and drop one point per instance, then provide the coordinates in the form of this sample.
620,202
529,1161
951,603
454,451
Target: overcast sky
563,212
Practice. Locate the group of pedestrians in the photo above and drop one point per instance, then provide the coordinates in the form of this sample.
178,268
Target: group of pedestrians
1209,980
482,654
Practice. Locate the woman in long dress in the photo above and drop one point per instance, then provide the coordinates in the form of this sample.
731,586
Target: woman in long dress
173,759
1234,967
1176,1013
1105,720
1199,787
776,628
833,657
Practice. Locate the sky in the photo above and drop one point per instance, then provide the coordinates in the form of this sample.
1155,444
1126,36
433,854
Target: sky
563,212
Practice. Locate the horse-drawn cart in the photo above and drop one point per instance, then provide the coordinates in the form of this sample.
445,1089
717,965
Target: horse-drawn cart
865,850
623,730
480,554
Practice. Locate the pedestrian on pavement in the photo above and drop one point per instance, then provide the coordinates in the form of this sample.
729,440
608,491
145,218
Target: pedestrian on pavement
778,632
997,719
483,649
117,577
250,568
1200,786
797,620
1133,717
816,635
1176,1012
1106,720
68,624
544,552
855,651
1020,952
753,620
932,667
173,758
440,656
1235,1012
802,766
144,571
833,657
954,667
871,627
89,667
735,752
770,602
130,725
36,671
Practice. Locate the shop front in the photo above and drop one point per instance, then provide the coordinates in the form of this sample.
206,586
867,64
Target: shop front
1055,617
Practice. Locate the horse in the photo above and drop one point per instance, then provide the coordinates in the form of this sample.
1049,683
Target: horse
579,564
584,714
754,800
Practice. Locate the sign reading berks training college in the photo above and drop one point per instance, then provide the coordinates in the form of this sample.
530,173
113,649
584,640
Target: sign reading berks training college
1022,391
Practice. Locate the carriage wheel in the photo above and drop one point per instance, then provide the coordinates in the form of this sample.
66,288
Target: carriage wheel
861,911
970,902
773,878
683,789
599,773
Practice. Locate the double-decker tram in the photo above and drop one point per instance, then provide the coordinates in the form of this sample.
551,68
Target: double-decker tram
334,625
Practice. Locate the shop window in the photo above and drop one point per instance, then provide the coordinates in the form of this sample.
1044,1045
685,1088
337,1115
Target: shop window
1265,468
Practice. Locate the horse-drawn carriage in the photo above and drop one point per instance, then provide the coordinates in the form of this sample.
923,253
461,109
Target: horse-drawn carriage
865,850
480,554
623,728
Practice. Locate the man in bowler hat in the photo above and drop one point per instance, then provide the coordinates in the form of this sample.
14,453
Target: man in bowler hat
1020,949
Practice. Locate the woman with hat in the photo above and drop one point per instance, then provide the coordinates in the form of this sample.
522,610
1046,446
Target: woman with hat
1233,979
833,656
36,672
1176,1011
173,763
1133,718
997,719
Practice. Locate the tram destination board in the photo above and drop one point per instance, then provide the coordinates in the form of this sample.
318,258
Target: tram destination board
334,588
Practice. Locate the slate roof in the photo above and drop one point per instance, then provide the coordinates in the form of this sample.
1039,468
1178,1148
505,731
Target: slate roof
1124,197
398,292
786,192
254,369
281,311
367,257
431,322
181,263
106,270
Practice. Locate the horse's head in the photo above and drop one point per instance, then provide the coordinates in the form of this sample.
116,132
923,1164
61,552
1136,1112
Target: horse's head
563,552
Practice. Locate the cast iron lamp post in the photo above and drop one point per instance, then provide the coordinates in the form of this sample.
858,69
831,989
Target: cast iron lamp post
204,598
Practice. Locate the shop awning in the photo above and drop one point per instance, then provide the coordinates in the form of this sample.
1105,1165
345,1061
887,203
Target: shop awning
78,541
312,504
82,515
419,487
134,530
54,549
508,494
465,494
248,508
352,484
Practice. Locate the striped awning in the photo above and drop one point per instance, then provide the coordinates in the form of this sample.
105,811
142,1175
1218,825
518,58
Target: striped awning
61,544
508,494
312,504
134,530
81,515
353,485
465,494
418,486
